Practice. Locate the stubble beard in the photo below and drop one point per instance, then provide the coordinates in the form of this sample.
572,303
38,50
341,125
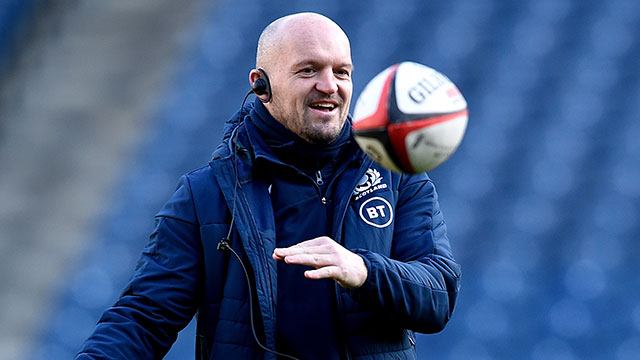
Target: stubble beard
314,129
322,131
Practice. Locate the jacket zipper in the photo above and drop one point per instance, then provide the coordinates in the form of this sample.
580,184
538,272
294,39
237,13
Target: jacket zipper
411,340
319,182
204,351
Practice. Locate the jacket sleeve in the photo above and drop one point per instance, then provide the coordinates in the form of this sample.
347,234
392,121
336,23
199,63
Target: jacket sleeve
417,285
161,297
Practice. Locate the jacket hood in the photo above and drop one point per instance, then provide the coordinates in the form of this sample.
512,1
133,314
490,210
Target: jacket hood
230,125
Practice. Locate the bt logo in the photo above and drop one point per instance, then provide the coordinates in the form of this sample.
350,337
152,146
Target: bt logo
376,212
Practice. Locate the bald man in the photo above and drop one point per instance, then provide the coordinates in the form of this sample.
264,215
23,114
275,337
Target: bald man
291,243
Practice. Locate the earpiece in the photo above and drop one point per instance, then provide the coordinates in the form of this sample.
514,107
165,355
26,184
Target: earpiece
262,86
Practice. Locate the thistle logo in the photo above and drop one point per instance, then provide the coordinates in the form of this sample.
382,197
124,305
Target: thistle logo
376,212
370,182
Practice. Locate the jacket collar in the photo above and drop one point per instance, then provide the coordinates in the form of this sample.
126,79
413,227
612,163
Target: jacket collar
272,142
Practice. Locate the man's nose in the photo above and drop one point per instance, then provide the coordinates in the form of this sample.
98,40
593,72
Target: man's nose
327,82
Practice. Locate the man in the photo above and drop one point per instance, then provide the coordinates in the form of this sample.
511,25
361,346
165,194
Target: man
345,260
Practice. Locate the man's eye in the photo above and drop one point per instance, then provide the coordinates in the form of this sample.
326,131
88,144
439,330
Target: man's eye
307,71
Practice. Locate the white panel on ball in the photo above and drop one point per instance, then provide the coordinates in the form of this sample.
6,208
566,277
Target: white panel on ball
430,146
367,103
423,90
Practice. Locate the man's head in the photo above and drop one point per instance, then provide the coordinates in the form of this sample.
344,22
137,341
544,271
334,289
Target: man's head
308,60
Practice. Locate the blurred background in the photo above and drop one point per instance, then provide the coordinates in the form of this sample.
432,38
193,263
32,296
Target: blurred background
104,104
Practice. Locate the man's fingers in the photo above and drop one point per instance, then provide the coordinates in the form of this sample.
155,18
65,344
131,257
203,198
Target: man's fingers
320,240
315,260
302,248
295,250
330,259
327,272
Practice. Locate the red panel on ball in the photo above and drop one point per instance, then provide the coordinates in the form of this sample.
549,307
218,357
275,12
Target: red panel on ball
379,119
399,131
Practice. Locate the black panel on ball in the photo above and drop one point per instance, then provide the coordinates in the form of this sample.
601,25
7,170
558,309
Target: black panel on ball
382,135
393,113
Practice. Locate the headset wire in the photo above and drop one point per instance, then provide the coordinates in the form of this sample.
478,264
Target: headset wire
224,244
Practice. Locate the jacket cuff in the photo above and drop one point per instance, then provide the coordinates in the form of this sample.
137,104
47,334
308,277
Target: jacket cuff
370,285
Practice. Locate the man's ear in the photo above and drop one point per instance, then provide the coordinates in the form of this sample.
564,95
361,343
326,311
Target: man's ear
260,84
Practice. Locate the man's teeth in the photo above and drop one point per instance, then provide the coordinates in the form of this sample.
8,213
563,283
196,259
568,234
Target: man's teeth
325,106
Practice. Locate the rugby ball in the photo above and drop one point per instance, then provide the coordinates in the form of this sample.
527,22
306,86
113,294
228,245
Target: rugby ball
410,118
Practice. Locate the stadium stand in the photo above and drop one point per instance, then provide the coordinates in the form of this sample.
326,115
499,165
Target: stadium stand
79,89
541,199
13,14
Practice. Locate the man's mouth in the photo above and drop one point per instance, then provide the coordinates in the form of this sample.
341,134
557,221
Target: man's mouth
325,106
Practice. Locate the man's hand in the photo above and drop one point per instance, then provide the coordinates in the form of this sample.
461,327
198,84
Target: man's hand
329,259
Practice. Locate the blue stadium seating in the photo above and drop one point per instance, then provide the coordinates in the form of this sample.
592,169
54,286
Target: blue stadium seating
12,16
541,199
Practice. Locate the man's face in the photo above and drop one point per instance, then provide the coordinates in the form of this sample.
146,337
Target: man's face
311,82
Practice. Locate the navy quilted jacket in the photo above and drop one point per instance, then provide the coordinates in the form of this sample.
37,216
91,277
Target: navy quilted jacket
393,221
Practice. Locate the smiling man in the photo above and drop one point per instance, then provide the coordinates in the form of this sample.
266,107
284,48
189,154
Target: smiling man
308,59
344,259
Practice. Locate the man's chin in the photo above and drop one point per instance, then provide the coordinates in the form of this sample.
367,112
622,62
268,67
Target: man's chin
322,136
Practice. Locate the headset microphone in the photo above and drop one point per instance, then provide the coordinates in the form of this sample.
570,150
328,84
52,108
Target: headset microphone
262,86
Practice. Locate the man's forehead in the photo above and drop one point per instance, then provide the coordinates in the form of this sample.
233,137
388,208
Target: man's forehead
317,38
304,35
